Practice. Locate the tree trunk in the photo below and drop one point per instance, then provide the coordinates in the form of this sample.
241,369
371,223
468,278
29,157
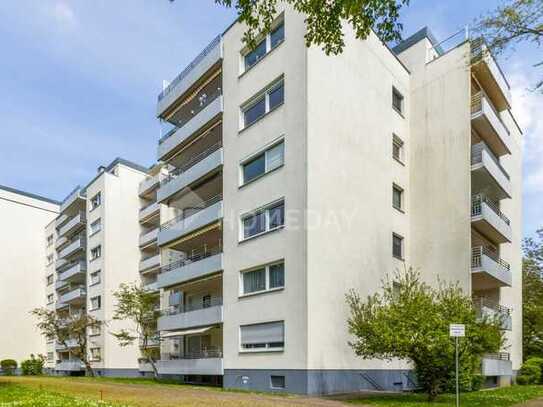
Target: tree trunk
153,365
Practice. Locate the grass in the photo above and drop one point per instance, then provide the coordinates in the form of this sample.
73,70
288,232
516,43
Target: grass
503,397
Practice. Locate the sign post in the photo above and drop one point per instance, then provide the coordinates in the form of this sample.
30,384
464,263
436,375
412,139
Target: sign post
457,331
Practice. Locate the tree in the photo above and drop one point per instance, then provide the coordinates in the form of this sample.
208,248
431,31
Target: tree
8,366
410,320
33,366
324,19
514,22
136,304
532,288
64,330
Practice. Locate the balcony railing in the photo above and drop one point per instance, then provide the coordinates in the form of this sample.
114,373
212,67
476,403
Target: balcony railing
476,207
478,252
477,157
498,356
482,302
203,354
477,106
191,162
216,41
194,257
193,210
184,308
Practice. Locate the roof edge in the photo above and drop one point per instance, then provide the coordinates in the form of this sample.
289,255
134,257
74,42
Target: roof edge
29,195
421,34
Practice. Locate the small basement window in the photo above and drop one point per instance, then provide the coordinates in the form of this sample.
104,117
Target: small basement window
277,382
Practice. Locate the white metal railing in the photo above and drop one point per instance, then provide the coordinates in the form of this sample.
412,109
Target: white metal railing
477,207
477,254
477,157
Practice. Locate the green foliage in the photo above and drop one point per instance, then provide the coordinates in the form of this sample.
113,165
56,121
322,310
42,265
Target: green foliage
8,366
324,19
33,366
531,372
532,291
410,320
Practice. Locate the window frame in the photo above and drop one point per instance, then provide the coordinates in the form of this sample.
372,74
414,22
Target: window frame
257,98
397,188
99,223
97,272
99,299
402,246
262,152
281,377
50,279
98,197
93,357
266,210
98,249
266,267
268,47
50,299
266,347
397,141
400,96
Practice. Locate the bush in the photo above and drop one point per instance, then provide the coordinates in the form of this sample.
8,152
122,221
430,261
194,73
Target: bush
523,380
8,366
33,366
531,371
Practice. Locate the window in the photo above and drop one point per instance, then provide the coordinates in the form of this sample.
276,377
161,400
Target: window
95,277
272,40
96,201
96,303
397,246
50,299
50,279
49,240
265,220
264,337
95,330
96,253
96,226
96,354
397,197
397,148
50,356
277,382
263,279
264,103
397,100
49,259
263,163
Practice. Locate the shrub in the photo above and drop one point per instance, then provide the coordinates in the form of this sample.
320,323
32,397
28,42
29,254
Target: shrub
531,371
523,380
33,366
8,366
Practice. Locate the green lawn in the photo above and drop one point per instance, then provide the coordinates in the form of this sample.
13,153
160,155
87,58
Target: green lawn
503,397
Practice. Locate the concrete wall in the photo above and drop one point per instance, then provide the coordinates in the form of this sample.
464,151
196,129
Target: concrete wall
22,277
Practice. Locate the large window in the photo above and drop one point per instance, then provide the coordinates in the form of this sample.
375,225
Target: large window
264,220
269,336
262,279
263,103
96,201
263,163
397,246
272,40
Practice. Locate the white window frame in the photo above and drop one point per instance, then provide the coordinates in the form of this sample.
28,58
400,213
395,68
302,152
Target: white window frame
97,222
93,205
402,246
263,151
97,272
396,187
95,330
50,299
50,240
50,279
266,268
401,109
94,358
257,97
98,250
246,51
49,260
400,143
99,299
267,348
266,210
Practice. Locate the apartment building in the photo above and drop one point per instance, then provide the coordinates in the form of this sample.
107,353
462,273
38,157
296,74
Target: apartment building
96,237
23,256
293,177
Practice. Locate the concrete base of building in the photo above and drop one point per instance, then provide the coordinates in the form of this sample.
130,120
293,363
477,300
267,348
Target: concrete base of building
117,372
317,382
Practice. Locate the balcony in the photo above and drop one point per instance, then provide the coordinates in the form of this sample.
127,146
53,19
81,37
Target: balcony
149,211
74,196
148,238
77,245
151,287
69,366
487,173
211,109
487,123
488,220
185,316
149,264
60,263
60,284
489,75
488,270
206,362
59,221
61,305
76,269
144,366
193,267
149,184
61,242
497,364
70,343
73,224
208,212
493,310
203,63
202,164
75,296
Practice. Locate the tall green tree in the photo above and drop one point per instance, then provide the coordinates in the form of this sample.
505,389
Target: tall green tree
67,329
532,288
324,19
137,305
409,320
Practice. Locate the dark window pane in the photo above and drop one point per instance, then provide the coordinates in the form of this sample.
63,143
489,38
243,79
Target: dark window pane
255,55
276,96
277,275
254,281
397,246
397,198
396,151
277,35
397,100
254,112
254,225
277,216
254,168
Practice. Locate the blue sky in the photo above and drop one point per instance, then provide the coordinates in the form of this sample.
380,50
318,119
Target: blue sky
80,80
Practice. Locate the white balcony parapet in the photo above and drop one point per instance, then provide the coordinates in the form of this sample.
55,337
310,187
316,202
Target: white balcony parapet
179,317
497,364
487,171
79,243
150,263
196,266
493,310
149,237
489,126
75,295
149,183
70,365
76,221
75,269
73,196
488,270
487,218
149,211
207,362
59,221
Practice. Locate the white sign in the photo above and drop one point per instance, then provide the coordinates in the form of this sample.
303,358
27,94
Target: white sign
457,330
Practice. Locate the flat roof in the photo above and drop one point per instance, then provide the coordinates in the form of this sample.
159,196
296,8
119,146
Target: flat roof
421,34
30,195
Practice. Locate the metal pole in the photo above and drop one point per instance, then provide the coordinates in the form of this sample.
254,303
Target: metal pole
457,392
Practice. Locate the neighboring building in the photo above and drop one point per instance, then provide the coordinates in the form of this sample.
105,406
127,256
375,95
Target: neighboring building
23,255
294,177
97,248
